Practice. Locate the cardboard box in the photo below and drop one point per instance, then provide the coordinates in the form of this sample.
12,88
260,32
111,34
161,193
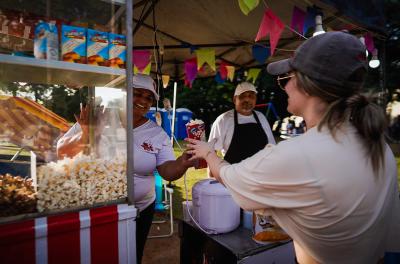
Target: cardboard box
73,44
97,48
117,50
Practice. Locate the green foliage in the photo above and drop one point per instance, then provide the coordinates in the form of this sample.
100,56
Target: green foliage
62,100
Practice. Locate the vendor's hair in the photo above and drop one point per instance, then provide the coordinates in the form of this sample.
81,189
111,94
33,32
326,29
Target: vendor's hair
349,104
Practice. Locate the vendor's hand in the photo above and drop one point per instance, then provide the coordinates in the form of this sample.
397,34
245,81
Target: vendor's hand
186,161
101,115
199,149
83,119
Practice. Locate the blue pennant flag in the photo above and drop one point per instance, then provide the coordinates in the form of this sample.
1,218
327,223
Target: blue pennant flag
218,78
260,53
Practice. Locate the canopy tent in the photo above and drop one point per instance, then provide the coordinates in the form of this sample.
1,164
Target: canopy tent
174,28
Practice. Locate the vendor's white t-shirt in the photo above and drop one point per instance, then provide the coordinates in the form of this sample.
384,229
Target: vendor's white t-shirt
324,194
223,126
152,147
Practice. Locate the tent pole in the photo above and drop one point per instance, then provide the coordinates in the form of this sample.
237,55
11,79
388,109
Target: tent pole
173,114
129,100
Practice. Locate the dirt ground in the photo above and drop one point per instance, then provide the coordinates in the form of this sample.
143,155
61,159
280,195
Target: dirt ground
162,250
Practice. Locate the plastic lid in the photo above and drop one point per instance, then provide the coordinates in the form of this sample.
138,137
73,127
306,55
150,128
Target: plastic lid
211,187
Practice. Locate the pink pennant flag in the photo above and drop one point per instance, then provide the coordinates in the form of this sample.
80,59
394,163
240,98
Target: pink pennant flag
223,71
369,42
141,59
298,17
190,71
273,25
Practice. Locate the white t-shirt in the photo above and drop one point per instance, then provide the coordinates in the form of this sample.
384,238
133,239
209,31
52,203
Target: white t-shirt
223,126
152,147
324,194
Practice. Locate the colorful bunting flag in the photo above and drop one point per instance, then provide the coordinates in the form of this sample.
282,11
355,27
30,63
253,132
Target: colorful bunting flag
141,59
273,25
146,70
231,72
298,17
260,53
248,5
205,56
219,79
165,80
253,74
309,21
190,71
223,72
369,42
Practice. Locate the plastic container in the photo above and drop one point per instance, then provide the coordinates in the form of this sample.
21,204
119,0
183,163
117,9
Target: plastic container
247,218
214,208
187,205
165,118
183,116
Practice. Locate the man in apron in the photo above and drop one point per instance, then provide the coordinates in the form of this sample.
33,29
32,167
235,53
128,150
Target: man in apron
241,132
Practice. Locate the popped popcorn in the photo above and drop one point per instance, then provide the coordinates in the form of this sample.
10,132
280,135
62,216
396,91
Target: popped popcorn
81,181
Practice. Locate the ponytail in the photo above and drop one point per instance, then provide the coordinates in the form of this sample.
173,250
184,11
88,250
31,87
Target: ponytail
369,120
346,103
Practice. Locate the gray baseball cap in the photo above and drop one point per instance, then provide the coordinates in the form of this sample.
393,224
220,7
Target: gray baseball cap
331,58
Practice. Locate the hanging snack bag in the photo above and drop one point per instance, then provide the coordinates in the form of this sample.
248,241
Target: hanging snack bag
97,47
117,50
73,44
45,43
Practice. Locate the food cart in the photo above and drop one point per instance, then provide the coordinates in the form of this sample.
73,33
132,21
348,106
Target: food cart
59,209
76,232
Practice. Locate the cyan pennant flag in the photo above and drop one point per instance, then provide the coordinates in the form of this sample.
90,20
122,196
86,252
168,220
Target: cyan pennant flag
260,53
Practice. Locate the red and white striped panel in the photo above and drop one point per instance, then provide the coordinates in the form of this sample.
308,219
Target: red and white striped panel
98,235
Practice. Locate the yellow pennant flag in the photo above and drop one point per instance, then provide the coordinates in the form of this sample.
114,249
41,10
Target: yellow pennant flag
248,5
145,70
165,80
205,56
231,72
253,74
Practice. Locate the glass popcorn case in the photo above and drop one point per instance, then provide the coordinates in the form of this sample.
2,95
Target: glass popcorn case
63,140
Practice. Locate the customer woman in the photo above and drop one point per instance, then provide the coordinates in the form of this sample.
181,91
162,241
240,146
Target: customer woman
152,150
334,188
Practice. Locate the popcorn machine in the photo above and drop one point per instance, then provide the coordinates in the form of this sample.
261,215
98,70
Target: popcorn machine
64,150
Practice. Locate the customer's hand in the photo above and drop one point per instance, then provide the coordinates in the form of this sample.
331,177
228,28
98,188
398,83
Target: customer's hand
199,149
